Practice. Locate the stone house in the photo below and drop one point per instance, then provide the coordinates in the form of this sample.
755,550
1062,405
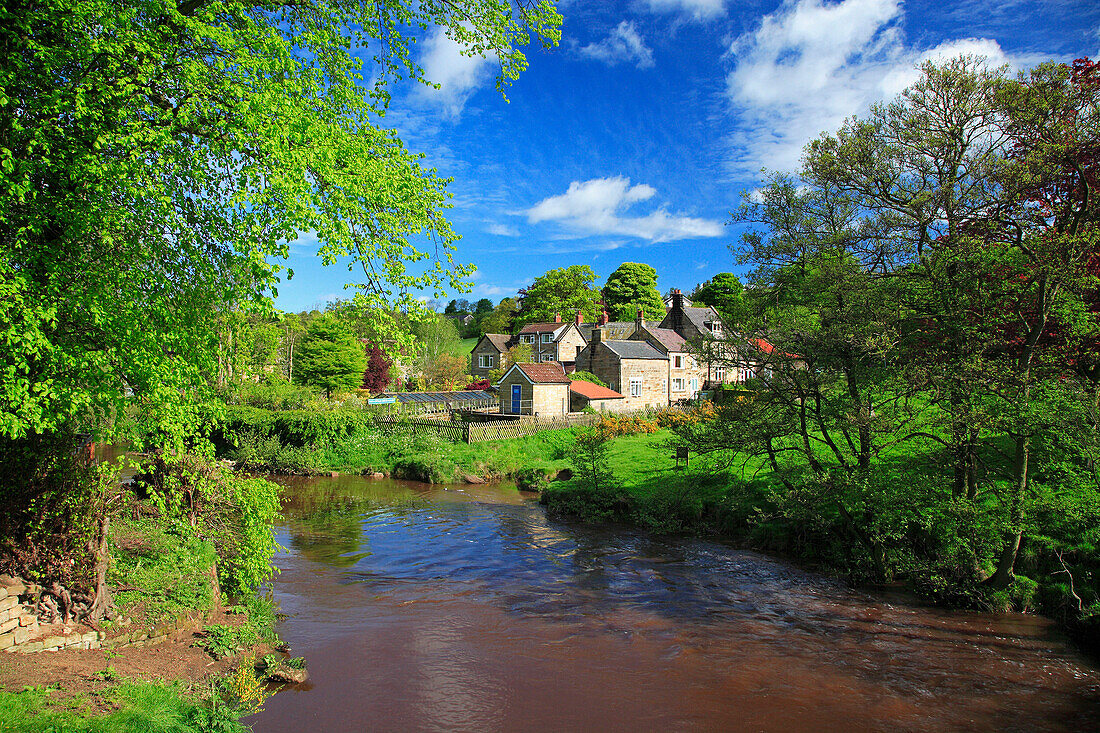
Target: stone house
635,369
700,328
485,356
584,394
686,374
555,341
534,389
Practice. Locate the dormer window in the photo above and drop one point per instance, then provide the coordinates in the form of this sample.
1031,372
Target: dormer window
548,338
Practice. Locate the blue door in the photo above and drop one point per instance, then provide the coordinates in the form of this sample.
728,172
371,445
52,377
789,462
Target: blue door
515,398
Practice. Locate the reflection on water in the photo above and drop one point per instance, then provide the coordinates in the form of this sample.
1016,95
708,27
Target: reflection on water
423,608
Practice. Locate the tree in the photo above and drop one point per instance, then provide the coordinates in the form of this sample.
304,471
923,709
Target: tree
559,292
152,168
447,372
631,287
436,336
724,293
377,376
502,318
483,307
587,377
330,356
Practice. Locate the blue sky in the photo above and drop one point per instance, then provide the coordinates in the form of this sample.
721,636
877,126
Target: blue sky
633,140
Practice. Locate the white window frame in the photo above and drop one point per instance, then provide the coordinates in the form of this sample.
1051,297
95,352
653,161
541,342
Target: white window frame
527,338
694,384
547,357
678,384
678,362
635,388
485,361
719,372
548,338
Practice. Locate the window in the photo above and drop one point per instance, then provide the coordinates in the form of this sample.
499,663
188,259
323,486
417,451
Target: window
635,388
528,338
485,361
547,357
677,362
694,385
548,338
677,385
719,373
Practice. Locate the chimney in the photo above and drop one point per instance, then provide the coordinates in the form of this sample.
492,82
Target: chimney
639,321
597,336
603,319
677,312
557,318
580,319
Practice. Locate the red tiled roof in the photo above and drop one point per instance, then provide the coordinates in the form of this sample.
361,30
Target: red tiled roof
542,327
550,372
593,391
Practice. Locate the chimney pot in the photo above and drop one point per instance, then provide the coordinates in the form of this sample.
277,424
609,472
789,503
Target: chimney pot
557,318
580,319
604,318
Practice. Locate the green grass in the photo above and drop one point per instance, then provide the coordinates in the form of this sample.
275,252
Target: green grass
465,346
138,707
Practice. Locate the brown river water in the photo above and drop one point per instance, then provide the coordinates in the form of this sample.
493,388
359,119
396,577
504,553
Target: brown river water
423,608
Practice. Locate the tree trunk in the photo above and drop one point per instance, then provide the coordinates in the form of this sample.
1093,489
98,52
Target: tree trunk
1006,563
102,603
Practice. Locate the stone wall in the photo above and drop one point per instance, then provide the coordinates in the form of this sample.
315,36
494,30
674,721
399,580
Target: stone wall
653,374
21,630
487,348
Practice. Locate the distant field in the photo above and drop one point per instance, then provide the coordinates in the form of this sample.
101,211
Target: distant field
464,346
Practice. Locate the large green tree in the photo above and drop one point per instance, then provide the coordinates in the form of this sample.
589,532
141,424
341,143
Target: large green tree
156,156
502,317
631,287
330,357
560,292
725,293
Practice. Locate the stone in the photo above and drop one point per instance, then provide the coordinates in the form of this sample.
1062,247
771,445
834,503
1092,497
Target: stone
12,623
7,640
8,602
28,619
32,648
90,636
564,475
22,634
285,675
3,591
52,641
472,479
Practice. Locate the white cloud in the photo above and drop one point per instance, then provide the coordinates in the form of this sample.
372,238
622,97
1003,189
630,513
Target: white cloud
458,75
503,230
596,207
697,9
623,44
810,65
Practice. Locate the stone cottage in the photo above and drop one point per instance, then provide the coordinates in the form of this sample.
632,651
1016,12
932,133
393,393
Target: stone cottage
534,389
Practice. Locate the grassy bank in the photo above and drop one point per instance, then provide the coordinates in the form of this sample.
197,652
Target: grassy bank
349,441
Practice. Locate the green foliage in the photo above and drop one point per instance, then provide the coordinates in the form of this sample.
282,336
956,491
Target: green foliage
148,707
168,569
563,292
502,318
330,357
169,180
725,293
587,377
633,286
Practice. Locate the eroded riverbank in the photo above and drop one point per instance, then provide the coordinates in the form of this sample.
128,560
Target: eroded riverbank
465,608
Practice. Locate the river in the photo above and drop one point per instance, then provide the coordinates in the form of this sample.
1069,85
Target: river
422,608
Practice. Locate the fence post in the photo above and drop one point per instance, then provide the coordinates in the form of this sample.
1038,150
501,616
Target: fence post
466,433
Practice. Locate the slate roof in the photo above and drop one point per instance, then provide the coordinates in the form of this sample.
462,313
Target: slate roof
593,391
634,350
499,340
699,316
550,372
667,338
